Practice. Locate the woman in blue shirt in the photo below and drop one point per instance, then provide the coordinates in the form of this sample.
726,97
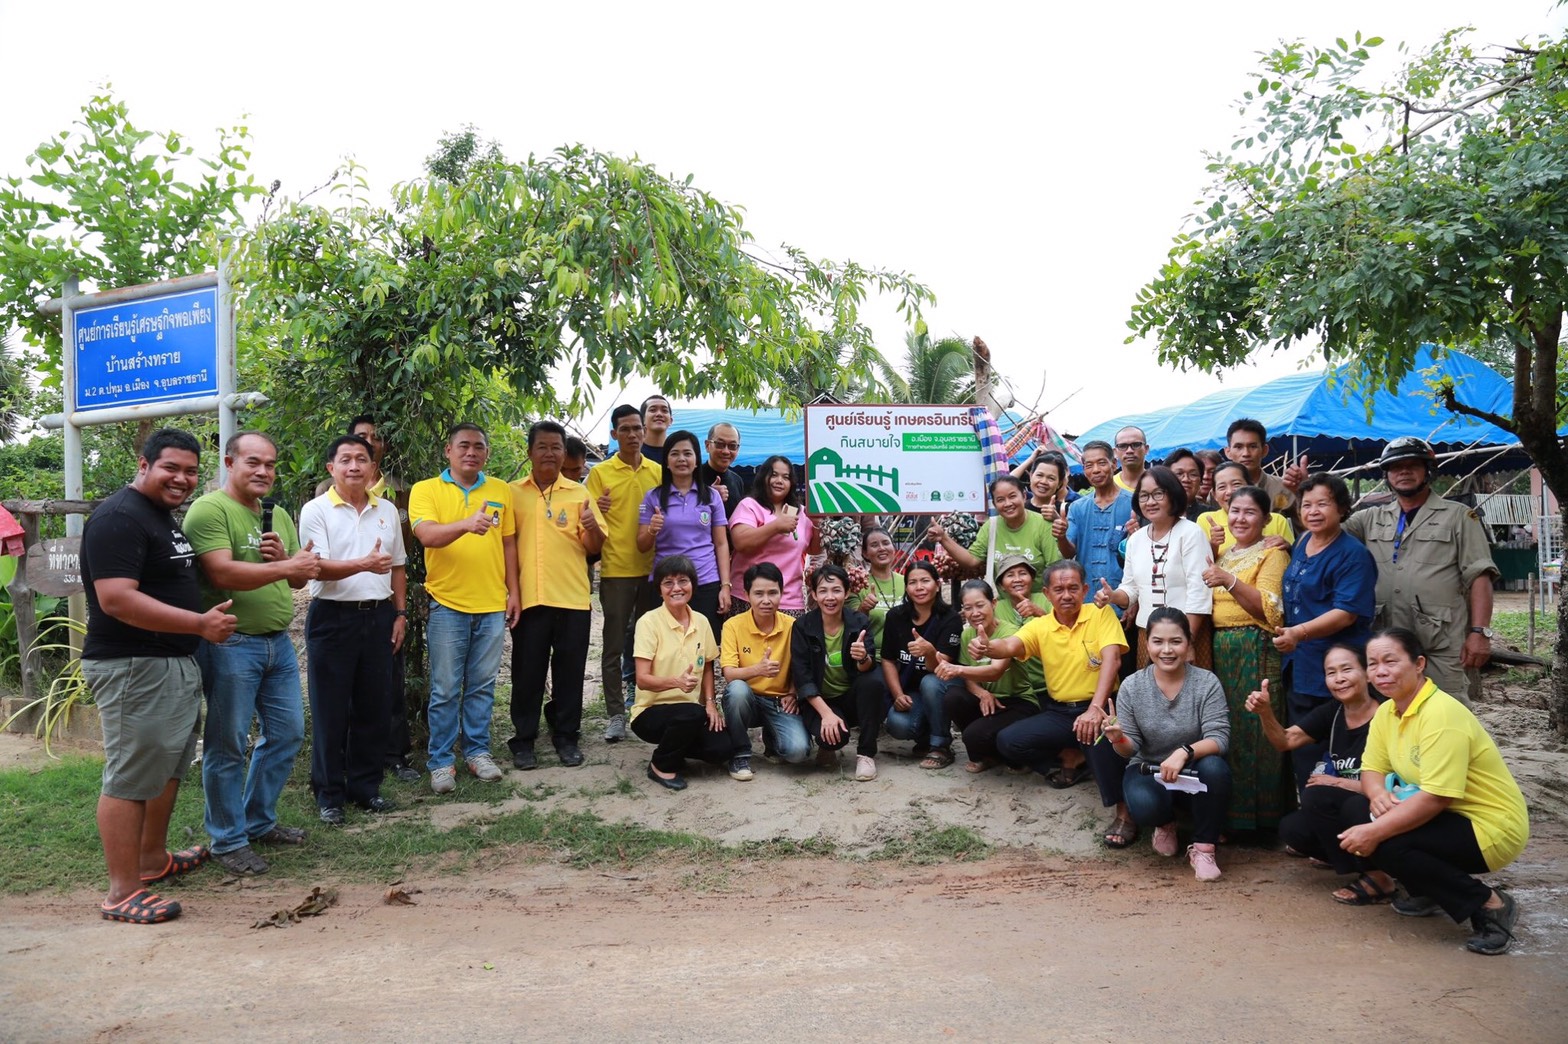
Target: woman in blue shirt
1329,592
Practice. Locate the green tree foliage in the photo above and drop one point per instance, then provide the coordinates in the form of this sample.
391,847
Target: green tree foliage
114,205
1370,218
525,288
459,153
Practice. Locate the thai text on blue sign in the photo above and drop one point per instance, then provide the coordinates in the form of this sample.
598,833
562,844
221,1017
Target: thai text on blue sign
155,350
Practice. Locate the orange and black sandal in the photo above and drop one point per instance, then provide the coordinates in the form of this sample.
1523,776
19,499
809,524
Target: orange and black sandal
141,907
181,862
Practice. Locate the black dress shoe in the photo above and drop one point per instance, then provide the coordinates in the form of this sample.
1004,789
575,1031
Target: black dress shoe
332,816
403,772
378,804
676,783
570,756
524,759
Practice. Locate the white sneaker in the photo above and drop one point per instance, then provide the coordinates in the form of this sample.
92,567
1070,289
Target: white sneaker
615,731
484,766
865,768
443,780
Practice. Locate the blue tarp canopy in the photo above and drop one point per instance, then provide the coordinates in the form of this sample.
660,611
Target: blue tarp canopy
1324,415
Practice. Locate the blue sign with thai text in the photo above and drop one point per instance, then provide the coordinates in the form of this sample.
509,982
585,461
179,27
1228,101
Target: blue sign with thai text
155,350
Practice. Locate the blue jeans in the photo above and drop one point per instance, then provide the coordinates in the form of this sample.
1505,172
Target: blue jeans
1151,805
249,677
465,655
926,719
744,709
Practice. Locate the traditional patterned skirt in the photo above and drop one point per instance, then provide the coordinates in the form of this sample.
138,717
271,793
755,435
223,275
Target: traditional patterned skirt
1262,790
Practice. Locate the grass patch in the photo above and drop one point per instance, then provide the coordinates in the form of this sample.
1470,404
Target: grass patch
1515,628
931,844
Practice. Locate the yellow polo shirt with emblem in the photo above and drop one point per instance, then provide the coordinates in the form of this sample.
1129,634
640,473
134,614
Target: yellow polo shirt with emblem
469,574
550,552
671,649
1440,747
627,486
744,644
1071,655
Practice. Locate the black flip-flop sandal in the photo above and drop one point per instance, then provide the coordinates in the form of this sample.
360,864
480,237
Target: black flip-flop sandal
1365,892
1124,830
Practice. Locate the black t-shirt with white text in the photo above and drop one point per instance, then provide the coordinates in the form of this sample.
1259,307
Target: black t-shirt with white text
130,537
1327,720
943,630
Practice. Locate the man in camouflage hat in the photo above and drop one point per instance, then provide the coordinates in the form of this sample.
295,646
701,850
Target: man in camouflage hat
1434,567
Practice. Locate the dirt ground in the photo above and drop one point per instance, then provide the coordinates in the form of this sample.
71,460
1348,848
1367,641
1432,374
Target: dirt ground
1051,938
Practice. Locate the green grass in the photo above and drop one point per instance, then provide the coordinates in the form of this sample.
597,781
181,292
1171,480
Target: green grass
932,844
1515,627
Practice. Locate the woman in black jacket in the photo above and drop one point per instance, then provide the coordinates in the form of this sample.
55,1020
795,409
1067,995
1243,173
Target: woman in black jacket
833,661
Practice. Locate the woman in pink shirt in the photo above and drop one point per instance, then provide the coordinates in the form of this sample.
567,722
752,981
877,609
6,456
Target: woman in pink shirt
771,526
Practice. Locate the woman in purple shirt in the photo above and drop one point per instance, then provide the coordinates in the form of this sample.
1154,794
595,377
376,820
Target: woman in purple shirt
683,515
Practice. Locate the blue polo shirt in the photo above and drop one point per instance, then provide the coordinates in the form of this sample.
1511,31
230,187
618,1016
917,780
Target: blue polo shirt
1097,533
1341,576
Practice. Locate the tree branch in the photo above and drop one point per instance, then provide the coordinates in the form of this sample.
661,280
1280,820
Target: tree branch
1455,406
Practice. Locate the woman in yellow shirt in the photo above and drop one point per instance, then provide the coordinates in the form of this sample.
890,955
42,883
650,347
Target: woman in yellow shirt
1248,610
675,708
1437,804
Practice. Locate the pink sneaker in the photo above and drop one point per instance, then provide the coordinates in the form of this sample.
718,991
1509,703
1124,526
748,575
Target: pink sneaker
1203,864
1165,839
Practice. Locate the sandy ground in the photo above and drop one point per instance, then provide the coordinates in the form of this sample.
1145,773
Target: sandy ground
1051,938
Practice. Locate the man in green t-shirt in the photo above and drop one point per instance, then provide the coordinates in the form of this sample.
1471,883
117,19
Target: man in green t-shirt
248,551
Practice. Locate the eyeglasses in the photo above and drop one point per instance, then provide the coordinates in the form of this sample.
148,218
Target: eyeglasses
1149,496
1129,445
670,583
716,444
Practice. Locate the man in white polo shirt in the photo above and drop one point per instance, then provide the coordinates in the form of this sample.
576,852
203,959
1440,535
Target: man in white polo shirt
355,625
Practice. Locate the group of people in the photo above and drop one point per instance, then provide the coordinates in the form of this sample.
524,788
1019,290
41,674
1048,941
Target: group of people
1171,633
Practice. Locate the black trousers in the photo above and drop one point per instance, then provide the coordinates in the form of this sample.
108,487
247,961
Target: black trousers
980,730
349,668
1037,742
680,731
399,743
864,706
554,640
1313,829
1436,860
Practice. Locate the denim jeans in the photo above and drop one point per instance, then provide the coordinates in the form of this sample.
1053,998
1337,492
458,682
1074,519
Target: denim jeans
465,656
248,677
1151,805
744,709
926,719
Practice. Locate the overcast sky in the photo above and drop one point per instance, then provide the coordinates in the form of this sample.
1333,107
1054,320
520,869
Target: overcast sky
1030,163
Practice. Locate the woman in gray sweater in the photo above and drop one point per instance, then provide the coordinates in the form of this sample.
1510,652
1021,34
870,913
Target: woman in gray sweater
1171,721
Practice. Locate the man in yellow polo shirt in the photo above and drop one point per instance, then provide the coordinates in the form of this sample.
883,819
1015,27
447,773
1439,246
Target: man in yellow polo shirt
618,486
466,522
558,527
1080,649
754,653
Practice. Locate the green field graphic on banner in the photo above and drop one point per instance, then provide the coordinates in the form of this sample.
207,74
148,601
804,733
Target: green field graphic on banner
843,490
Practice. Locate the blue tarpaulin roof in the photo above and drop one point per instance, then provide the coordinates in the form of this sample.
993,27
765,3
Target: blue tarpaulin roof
1323,415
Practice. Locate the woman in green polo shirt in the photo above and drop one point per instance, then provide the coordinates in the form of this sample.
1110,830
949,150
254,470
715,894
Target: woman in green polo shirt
992,692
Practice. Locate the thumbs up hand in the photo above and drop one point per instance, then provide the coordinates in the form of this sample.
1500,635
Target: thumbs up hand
305,564
687,681
656,523
216,625
1258,701
378,561
587,519
768,667
979,645
1296,474
857,648
1102,597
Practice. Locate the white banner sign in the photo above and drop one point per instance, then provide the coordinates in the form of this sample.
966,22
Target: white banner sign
890,459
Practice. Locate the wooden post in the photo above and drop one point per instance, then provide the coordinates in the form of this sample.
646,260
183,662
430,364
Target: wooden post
1529,582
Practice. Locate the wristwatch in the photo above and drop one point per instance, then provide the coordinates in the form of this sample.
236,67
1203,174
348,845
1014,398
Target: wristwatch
1485,632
